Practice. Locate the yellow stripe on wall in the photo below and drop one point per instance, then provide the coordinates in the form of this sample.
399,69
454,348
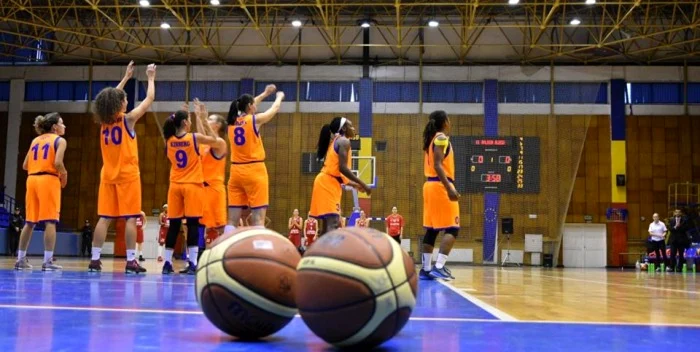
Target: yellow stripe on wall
618,163
365,150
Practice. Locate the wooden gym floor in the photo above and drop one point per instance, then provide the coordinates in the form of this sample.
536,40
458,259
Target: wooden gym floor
517,309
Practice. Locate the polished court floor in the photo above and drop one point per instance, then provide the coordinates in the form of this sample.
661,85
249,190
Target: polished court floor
488,308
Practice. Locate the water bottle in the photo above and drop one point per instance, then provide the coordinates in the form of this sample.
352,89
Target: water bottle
685,267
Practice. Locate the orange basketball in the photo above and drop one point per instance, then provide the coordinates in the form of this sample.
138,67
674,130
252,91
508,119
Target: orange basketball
245,282
356,287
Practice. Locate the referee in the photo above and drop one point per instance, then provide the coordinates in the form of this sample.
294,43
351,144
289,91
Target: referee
657,233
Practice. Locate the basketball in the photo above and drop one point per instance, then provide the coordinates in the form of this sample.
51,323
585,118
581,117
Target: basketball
369,287
245,282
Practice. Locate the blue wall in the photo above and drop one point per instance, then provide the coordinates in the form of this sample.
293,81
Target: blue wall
67,243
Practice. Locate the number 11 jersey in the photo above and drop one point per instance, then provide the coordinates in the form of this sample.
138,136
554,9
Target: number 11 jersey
120,153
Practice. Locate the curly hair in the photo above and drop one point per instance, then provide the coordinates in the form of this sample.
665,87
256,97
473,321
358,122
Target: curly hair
44,123
108,104
436,123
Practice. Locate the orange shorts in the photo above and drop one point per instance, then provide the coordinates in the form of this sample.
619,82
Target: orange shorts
326,196
439,212
248,186
185,200
214,206
121,200
43,199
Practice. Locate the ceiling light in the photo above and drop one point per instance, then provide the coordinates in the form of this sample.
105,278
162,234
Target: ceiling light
513,2
575,22
433,23
590,2
164,25
214,2
365,24
296,23
144,3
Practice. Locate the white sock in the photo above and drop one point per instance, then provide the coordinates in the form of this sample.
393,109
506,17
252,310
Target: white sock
169,255
427,261
21,254
141,253
194,251
160,251
96,253
130,255
441,260
47,256
229,228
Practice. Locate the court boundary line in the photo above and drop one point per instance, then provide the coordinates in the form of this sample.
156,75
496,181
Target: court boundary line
497,313
446,319
618,284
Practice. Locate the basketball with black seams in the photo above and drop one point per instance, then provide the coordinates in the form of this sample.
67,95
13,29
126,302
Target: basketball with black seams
246,282
356,287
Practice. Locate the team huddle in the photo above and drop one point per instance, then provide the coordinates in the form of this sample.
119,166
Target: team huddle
198,194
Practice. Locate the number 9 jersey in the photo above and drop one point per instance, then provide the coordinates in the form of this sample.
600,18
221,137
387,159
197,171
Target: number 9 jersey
186,177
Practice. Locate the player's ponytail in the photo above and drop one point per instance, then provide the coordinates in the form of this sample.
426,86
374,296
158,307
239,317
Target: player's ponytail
239,105
324,139
436,123
173,123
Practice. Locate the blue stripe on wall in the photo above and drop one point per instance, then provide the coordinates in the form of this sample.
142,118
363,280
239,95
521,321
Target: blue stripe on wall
247,86
130,90
491,200
617,109
366,107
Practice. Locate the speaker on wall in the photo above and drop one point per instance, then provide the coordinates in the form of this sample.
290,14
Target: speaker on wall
507,226
620,180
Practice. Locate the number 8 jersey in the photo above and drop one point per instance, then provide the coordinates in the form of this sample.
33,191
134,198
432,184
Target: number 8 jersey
120,153
246,144
186,165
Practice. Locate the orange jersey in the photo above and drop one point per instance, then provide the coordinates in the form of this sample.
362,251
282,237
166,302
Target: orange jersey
213,167
331,165
120,153
42,155
448,162
245,141
186,165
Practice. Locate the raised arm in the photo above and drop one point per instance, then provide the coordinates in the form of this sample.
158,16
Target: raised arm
265,117
127,75
202,114
133,116
269,89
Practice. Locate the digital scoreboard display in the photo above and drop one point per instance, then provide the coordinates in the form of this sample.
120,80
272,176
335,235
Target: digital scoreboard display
502,164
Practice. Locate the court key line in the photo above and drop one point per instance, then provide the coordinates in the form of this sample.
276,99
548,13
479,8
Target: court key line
463,320
481,304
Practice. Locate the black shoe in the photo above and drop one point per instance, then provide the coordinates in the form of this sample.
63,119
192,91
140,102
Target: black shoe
141,259
168,268
190,269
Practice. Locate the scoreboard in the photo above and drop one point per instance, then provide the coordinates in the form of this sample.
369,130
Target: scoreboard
502,164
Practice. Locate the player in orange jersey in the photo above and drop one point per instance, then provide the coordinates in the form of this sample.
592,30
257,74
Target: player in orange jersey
362,221
186,191
310,230
294,226
47,175
334,149
440,206
248,180
120,179
214,169
163,232
140,224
